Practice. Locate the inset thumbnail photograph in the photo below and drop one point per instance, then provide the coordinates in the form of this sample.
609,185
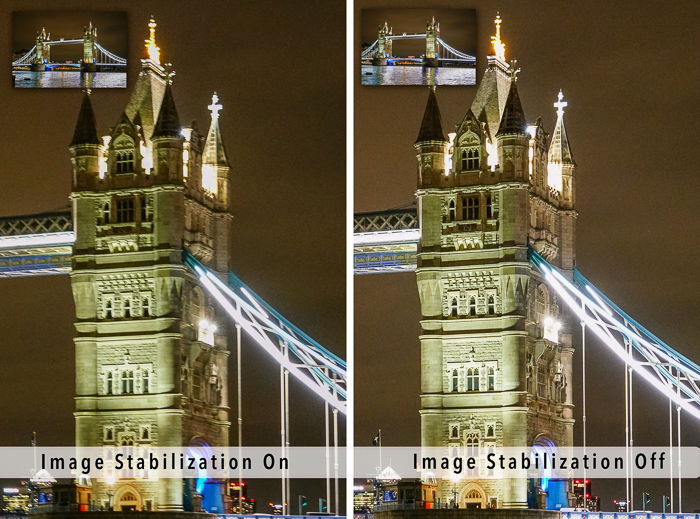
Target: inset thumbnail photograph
69,49
418,47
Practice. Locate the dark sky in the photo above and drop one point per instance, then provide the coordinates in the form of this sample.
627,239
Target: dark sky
284,129
112,30
629,72
457,28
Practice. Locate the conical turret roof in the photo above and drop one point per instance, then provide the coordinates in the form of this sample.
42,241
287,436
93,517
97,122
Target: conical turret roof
513,120
431,127
85,129
168,123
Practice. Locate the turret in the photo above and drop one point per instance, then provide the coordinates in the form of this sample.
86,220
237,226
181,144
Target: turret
167,140
85,147
431,145
512,137
560,162
384,44
215,165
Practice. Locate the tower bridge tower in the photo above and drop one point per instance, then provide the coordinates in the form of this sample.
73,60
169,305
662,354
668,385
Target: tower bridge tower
151,364
384,44
496,347
89,38
432,33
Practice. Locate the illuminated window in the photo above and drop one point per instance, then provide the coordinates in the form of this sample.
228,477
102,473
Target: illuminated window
470,207
470,158
472,305
455,380
127,381
491,379
452,213
491,306
106,213
489,207
125,162
473,379
125,209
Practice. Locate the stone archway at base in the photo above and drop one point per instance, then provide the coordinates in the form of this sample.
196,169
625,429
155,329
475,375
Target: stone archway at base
128,499
473,497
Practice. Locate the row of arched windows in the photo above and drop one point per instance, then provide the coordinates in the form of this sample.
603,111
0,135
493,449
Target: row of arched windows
471,306
470,208
126,382
473,380
132,307
123,209
470,158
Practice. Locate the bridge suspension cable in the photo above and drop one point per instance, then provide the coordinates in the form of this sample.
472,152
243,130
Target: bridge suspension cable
27,59
371,51
670,372
313,365
453,53
108,58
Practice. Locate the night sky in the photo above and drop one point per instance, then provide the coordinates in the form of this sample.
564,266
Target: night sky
457,28
283,124
112,30
629,72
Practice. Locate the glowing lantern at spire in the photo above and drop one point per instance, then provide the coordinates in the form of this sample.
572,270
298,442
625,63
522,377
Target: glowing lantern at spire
151,48
499,48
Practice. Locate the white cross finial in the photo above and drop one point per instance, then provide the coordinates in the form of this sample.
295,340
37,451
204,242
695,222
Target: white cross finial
560,104
215,107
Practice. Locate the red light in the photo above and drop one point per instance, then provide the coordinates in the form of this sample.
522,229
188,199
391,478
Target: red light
588,495
586,481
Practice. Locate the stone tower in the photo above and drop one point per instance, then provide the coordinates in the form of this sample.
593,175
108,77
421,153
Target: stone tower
432,33
151,364
89,37
496,348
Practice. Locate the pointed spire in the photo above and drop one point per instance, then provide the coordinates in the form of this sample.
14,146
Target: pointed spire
499,48
513,120
168,124
85,129
559,148
214,150
431,127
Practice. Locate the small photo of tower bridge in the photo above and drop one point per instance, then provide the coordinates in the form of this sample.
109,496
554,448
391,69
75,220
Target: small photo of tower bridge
418,47
69,49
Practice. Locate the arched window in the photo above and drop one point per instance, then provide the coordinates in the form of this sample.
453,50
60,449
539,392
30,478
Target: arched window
470,158
146,307
145,433
127,382
145,381
473,379
109,434
453,307
489,431
127,308
454,432
110,383
108,309
491,379
472,305
491,306
455,380
106,213
125,161
453,214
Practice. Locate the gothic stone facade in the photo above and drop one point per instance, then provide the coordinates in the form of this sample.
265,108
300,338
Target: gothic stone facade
496,348
150,368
